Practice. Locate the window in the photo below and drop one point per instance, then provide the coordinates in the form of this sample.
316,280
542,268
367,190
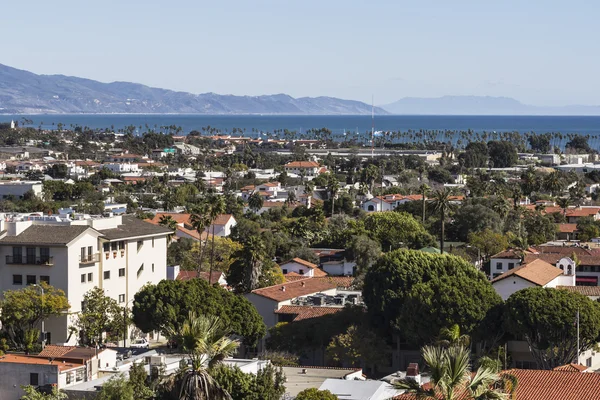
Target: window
106,247
113,246
498,265
511,265
34,379
284,271
17,255
121,272
17,279
82,256
122,245
30,255
301,272
44,254
90,252
79,374
140,270
152,267
90,276
69,377
31,279
152,242
140,243
82,278
106,274
121,298
588,362
45,278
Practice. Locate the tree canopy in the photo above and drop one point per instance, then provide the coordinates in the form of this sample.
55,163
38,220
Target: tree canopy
416,294
166,306
397,229
547,317
316,394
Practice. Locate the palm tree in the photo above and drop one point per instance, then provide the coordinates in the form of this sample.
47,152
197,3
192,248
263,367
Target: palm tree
563,203
169,222
452,379
441,204
423,190
255,202
216,207
204,340
333,186
200,220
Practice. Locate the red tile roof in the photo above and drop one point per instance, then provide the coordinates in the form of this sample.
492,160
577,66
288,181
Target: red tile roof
302,164
591,291
52,351
571,368
292,290
21,359
567,228
538,272
180,218
301,262
308,312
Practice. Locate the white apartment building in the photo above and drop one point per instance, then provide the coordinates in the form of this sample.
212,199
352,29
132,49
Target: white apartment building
120,168
119,254
18,189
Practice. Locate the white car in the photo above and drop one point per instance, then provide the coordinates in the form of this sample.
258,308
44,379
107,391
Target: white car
140,344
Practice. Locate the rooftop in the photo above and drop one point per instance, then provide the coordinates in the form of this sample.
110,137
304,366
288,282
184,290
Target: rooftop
291,290
308,312
47,234
590,291
32,360
134,227
300,378
538,272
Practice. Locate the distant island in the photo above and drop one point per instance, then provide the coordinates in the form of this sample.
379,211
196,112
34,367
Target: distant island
23,92
480,105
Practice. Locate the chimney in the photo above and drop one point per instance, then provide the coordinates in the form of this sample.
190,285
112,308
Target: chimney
16,227
283,288
412,372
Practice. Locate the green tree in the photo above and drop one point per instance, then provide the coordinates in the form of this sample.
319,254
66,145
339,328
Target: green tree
579,144
200,219
31,393
255,202
442,205
205,341
475,218
251,268
24,309
267,384
364,251
587,229
169,222
316,394
546,319
554,183
100,314
416,294
333,187
452,378
117,388
424,191
540,228
216,208
475,155
164,307
358,346
540,143
138,380
502,153
369,175
396,229
488,242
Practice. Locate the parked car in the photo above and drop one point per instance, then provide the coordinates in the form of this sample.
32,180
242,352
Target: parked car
140,344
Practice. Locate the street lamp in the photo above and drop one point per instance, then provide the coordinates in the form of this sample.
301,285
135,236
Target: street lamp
43,327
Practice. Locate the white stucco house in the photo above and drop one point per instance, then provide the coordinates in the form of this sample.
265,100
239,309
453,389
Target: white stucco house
301,267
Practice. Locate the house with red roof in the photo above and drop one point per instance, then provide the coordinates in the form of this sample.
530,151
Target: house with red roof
308,169
302,268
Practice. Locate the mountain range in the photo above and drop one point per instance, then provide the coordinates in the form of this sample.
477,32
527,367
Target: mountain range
480,105
23,92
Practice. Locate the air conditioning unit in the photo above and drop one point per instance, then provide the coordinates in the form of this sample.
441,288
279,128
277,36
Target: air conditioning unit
157,360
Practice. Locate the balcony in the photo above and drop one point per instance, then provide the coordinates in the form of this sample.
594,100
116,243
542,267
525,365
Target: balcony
89,259
30,260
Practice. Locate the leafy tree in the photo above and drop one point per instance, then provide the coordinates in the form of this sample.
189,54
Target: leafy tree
100,314
205,341
396,229
316,394
306,254
168,222
488,242
587,229
138,378
547,317
364,251
440,175
369,175
502,153
24,309
117,388
34,175
540,143
475,155
267,384
416,294
58,171
200,220
358,345
475,218
255,202
442,205
451,377
164,307
31,393
540,228
579,144
555,183
423,191
247,269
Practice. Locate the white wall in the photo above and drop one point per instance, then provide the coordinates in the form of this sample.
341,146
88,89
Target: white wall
13,375
495,271
510,285
297,268
341,268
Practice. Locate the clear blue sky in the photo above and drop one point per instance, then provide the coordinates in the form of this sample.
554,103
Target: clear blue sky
541,52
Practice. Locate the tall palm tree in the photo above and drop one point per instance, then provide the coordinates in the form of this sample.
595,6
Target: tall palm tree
169,222
333,186
424,189
200,220
441,204
452,379
204,340
563,202
216,207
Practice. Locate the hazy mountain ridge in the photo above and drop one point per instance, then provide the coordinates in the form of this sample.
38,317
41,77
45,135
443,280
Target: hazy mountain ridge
23,92
480,105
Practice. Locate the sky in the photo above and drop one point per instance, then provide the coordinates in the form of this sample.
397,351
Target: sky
541,52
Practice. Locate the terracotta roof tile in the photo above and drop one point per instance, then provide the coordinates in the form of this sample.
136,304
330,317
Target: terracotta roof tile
592,291
21,359
308,312
567,228
302,164
571,368
301,262
291,290
538,272
180,218
52,351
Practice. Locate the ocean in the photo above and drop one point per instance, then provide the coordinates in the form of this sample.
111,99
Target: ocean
251,125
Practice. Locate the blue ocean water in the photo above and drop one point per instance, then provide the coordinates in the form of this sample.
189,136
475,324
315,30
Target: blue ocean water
252,125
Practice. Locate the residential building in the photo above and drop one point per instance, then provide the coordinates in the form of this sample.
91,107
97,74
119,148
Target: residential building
302,267
122,168
119,254
537,273
308,169
307,377
360,389
222,225
17,189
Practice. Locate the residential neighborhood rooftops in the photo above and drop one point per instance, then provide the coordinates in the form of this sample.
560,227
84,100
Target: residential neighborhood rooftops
291,290
590,291
301,262
21,359
571,368
134,227
308,312
300,378
302,164
47,234
538,272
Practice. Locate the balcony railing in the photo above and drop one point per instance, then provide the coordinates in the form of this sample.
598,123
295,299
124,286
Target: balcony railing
89,259
30,260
